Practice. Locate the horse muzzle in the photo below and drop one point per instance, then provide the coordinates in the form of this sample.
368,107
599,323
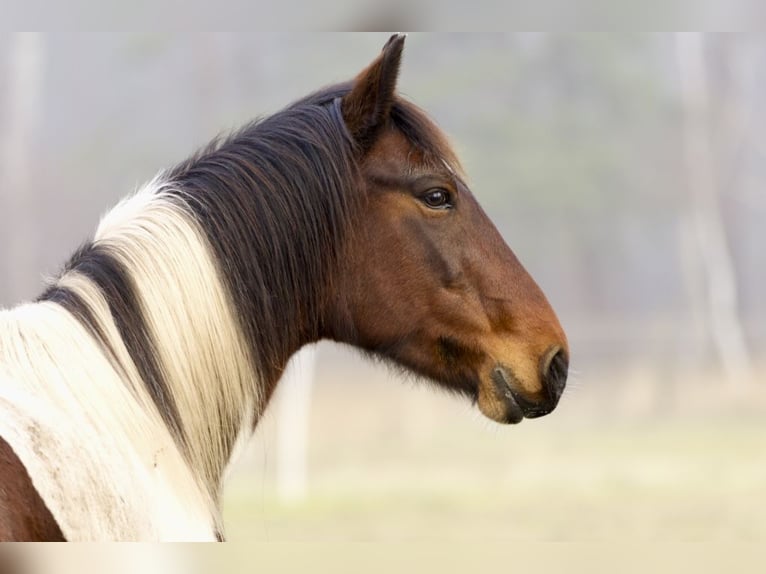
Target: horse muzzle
504,399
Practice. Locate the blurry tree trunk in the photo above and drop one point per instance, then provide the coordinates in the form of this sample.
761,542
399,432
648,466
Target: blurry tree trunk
706,221
19,242
294,402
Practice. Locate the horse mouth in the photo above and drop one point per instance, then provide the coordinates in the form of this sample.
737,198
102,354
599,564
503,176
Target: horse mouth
512,412
500,401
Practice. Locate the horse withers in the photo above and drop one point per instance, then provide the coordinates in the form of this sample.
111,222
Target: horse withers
125,387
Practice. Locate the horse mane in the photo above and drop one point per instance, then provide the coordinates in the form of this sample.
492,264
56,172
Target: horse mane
226,258
276,199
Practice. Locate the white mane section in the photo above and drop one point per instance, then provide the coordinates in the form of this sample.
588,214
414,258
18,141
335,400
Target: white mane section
190,317
83,422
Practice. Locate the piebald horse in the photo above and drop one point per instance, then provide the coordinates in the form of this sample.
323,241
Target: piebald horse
125,386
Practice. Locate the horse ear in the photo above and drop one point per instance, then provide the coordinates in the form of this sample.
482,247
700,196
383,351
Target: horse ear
367,106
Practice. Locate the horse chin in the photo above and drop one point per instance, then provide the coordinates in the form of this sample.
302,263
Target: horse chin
497,403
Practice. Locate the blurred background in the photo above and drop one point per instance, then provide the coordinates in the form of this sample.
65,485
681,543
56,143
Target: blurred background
626,171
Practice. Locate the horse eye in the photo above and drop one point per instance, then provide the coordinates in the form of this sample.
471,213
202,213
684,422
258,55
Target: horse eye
438,199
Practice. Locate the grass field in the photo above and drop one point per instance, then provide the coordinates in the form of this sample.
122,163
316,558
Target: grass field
396,462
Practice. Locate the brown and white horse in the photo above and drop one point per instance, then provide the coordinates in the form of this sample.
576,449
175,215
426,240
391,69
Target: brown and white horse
346,216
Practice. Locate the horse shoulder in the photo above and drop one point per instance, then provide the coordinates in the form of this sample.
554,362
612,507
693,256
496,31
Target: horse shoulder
23,514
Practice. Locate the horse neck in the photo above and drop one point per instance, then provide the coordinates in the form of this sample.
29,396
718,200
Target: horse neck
215,274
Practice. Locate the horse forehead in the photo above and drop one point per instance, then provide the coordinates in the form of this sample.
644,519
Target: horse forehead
393,151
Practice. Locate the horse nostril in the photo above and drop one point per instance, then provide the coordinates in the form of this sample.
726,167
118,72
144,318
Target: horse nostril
555,375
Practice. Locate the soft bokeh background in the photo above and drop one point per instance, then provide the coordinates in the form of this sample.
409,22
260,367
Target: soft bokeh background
627,173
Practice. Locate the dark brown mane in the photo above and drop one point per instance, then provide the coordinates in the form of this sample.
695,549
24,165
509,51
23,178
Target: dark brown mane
275,200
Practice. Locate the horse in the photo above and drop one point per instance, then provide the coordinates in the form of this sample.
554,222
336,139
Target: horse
127,385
